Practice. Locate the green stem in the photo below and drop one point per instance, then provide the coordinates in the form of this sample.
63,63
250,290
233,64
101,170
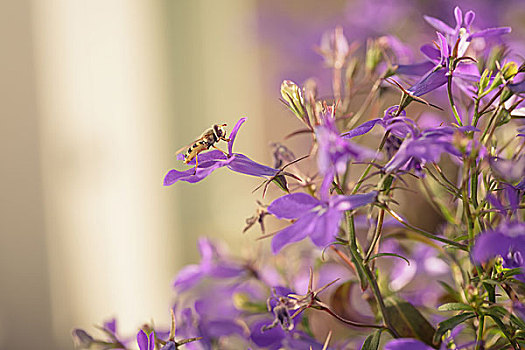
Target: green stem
377,234
451,100
479,338
425,233
369,167
364,272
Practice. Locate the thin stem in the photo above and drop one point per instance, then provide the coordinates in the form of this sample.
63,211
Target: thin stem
368,101
349,322
425,233
377,234
363,269
451,100
369,167
479,338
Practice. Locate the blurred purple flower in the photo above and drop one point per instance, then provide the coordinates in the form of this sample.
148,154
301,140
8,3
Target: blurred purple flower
510,171
334,151
407,344
169,346
317,219
423,147
213,264
212,160
146,342
334,48
506,241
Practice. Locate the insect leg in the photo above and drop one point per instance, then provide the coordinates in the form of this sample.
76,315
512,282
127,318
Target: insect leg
196,164
226,154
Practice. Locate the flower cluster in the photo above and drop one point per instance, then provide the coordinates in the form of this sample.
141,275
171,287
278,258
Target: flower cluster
448,273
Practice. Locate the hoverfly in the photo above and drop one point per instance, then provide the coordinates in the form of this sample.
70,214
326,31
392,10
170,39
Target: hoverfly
208,139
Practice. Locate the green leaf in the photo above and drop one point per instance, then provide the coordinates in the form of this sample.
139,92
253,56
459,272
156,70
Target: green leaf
372,341
455,307
281,182
388,254
450,324
512,272
501,312
408,321
504,330
450,290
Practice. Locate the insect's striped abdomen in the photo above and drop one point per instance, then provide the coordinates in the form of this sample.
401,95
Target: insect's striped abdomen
195,149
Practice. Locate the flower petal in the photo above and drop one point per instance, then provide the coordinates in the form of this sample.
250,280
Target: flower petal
490,32
295,232
406,344
343,203
191,175
188,277
429,82
142,340
326,228
208,156
459,17
415,69
469,18
292,206
439,25
489,245
430,52
233,134
244,165
361,129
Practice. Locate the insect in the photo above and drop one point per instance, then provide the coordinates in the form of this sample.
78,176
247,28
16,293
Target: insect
208,139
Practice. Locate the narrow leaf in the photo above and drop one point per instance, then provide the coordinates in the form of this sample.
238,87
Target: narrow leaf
450,324
455,307
372,341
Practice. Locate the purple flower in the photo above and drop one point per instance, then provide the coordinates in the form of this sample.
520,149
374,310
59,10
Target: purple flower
506,241
317,219
399,126
510,171
215,159
435,72
146,342
407,344
419,148
462,30
334,151
213,264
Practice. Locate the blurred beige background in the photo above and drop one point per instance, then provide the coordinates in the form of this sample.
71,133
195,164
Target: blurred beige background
96,98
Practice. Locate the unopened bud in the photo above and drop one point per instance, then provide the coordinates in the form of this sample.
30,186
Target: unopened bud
510,70
292,95
373,55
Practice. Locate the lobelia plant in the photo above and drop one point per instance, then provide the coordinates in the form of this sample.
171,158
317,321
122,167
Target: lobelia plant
372,279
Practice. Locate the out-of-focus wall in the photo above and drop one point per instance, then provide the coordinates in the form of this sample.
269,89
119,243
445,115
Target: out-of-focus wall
24,281
102,87
96,98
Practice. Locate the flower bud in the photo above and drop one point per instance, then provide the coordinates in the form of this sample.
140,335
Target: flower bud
373,55
510,70
484,82
292,95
